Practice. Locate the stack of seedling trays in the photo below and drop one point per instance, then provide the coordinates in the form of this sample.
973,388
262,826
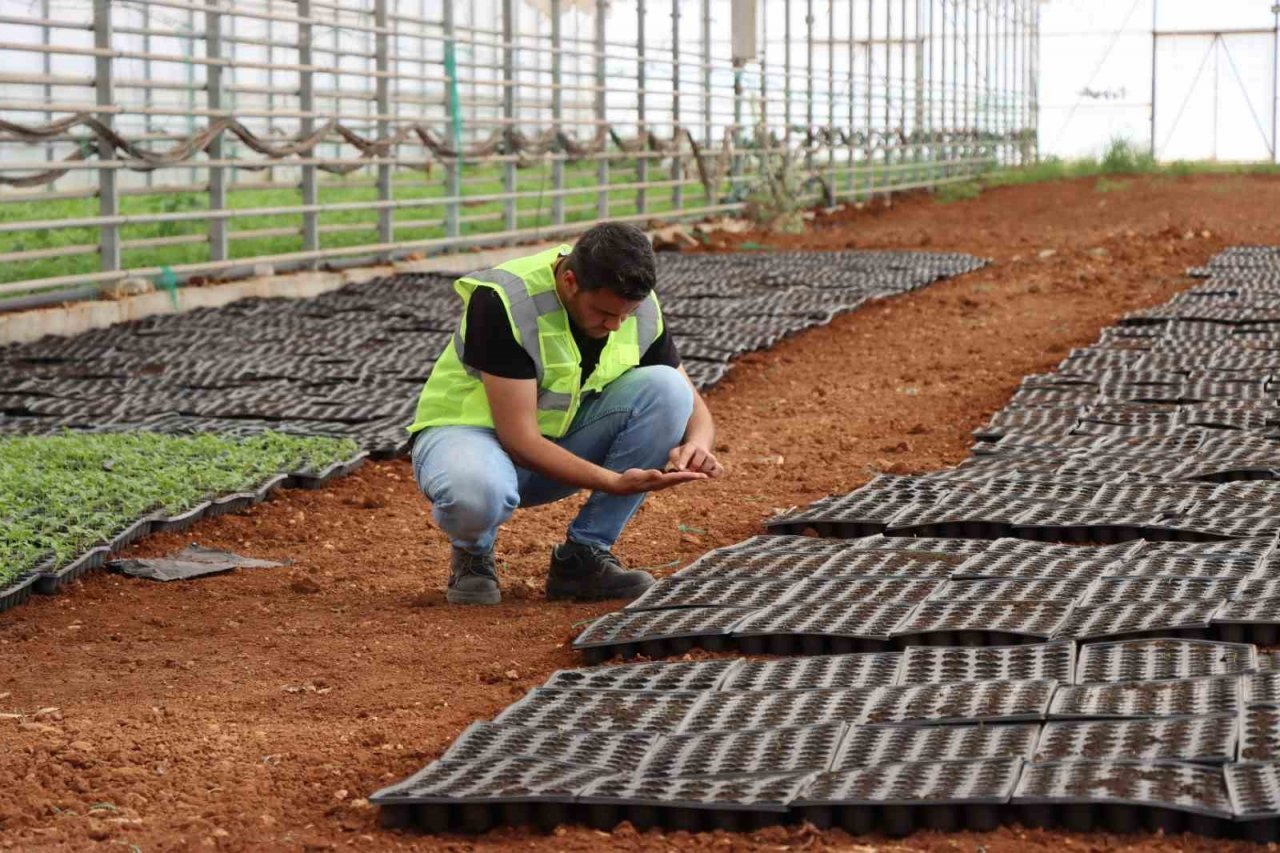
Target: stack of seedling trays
1158,734
351,362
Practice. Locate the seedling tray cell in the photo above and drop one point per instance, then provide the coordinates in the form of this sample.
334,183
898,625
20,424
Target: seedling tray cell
862,590
483,741
711,592
600,710
1173,698
868,746
658,675
1182,787
1039,619
1113,589
1132,619
936,665
963,702
870,621
1013,589
1260,733
1162,658
720,711
810,748
1204,740
1262,688
818,672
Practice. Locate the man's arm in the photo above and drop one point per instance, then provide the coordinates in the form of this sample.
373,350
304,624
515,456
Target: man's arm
514,405
694,452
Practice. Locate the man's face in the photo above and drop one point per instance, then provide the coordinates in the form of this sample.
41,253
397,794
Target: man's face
596,312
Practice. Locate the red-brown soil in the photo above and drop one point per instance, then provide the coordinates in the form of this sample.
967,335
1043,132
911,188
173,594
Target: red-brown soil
258,709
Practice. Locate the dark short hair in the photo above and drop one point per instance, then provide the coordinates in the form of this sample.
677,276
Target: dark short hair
617,256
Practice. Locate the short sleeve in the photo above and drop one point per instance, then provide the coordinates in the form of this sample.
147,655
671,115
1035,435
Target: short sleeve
490,345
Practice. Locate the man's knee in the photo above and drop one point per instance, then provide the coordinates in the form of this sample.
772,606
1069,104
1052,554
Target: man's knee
665,388
476,499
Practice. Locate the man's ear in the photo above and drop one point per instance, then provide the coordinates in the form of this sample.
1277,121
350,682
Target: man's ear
570,283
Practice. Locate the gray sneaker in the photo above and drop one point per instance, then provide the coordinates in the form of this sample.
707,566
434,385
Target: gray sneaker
473,579
586,573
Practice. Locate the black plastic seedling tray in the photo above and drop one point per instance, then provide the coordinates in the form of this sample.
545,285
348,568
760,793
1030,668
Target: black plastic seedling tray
615,751
962,702
1161,658
872,745
658,633
1142,618
1124,797
727,591
918,565
1261,688
50,582
1014,589
1203,740
723,710
1110,590
978,623
918,544
774,750
657,675
817,672
820,628
1255,799
897,799
1212,566
17,592
1183,697
692,804
1260,733
1045,661
475,797
1028,565
601,710
822,590
773,564
1249,620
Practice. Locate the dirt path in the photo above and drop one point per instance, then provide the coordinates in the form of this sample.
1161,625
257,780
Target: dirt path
256,710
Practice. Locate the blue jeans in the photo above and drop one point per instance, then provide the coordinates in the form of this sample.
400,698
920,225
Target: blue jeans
474,486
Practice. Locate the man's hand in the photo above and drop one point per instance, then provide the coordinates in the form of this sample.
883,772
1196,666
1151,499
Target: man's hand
694,457
636,480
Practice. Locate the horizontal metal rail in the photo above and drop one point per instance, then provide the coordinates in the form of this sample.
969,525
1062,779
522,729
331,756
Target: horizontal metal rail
860,98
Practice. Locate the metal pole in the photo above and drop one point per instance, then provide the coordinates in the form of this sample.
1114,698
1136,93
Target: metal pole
707,90
808,76
871,135
452,168
1155,44
1035,83
831,98
602,165
677,164
557,111
108,189
852,78
307,103
642,129
1275,86
386,228
509,178
786,69
218,250
888,85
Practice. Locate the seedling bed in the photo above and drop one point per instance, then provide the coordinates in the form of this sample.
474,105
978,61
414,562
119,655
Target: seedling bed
601,710
963,702
1136,619
823,590
658,633
711,592
820,628
721,711
1260,733
977,623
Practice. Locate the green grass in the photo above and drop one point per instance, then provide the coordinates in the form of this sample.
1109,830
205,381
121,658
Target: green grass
531,212
1122,157
63,494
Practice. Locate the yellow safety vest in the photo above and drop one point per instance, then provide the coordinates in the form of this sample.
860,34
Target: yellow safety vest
454,394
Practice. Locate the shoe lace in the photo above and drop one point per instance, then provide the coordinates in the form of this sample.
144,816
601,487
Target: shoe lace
479,564
604,557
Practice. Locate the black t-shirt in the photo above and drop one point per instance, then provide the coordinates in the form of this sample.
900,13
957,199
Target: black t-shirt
491,346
